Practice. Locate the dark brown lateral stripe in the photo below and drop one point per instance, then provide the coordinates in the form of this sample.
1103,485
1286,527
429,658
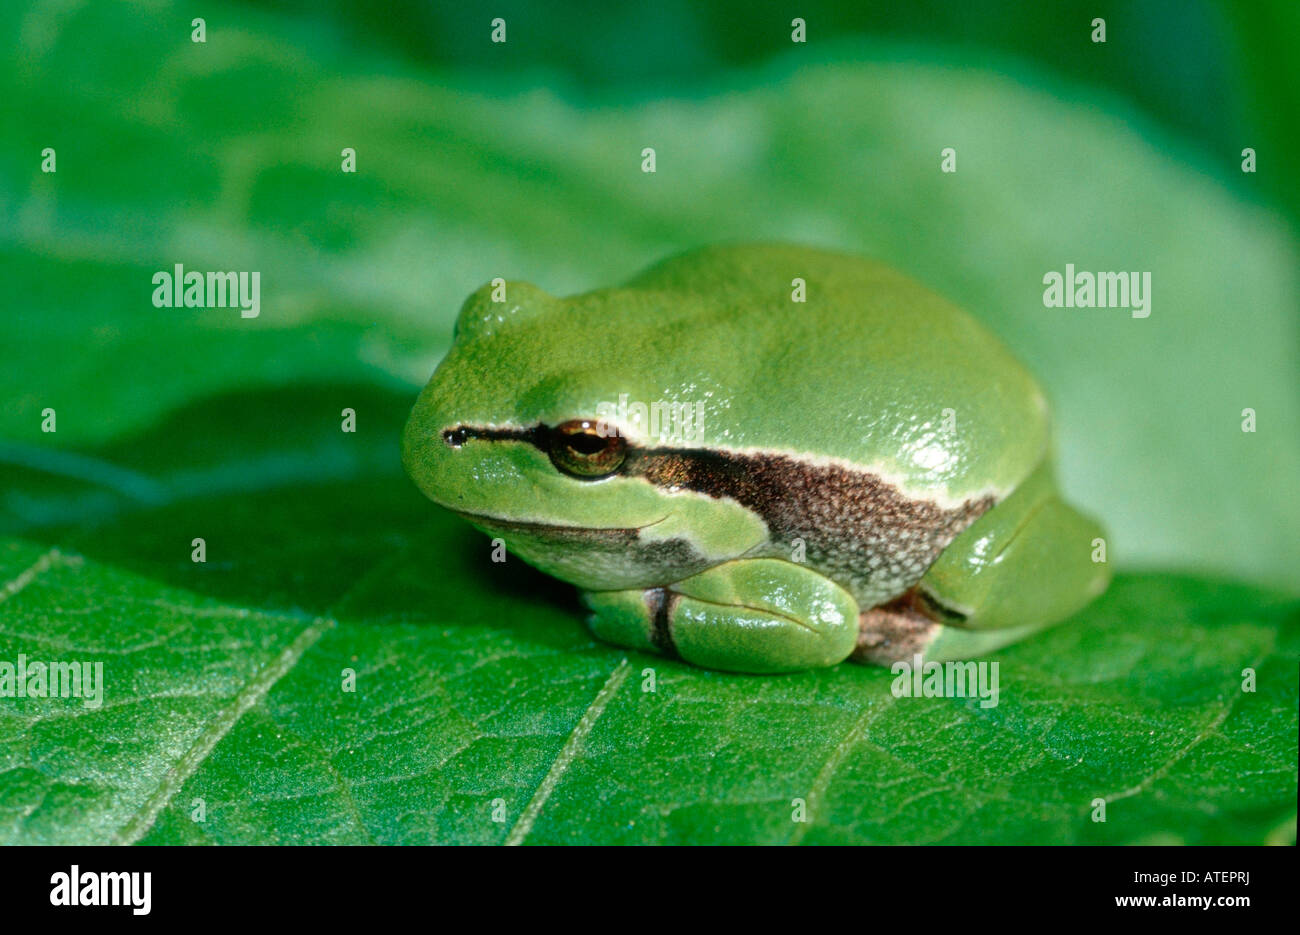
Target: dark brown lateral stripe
863,531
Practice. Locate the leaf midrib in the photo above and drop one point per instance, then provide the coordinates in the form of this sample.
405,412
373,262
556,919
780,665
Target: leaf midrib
248,697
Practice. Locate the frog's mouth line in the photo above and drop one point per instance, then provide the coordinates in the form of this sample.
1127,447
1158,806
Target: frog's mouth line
560,529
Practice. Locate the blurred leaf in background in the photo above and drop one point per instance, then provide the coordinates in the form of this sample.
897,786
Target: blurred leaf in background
523,161
225,155
1219,73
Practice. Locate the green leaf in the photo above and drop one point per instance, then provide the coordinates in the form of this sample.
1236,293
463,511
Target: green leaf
478,691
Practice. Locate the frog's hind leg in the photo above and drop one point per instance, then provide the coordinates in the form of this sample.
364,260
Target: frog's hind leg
1023,566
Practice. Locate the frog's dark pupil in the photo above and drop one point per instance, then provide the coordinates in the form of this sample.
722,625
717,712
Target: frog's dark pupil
455,437
585,443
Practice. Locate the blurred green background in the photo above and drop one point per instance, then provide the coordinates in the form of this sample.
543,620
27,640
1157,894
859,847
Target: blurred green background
522,160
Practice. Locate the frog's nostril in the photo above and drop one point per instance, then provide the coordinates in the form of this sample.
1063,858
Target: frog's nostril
455,437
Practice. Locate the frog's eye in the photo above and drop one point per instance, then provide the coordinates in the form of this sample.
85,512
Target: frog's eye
586,449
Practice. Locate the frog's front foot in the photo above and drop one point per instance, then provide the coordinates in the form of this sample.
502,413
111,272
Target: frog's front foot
749,615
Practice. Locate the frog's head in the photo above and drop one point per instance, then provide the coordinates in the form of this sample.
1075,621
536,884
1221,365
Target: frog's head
533,429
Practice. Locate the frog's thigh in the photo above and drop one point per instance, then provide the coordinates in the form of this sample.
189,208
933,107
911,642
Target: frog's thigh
750,615
1023,566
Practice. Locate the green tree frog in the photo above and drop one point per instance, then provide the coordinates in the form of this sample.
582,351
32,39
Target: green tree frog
760,459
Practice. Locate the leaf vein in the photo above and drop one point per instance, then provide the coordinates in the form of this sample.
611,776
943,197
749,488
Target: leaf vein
31,573
852,737
567,754
1204,734
250,695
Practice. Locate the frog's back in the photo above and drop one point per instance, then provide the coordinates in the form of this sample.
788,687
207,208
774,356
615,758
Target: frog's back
872,369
